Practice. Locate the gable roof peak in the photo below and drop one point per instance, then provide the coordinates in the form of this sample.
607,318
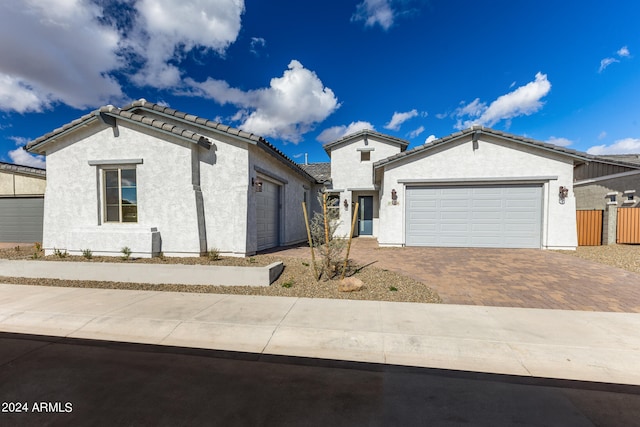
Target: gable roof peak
364,133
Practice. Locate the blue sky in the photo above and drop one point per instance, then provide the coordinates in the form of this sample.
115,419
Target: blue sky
305,73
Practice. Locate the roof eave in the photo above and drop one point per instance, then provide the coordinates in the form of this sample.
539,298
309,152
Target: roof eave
38,147
477,131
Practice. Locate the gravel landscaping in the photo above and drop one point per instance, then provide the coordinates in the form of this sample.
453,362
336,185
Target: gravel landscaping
626,257
295,281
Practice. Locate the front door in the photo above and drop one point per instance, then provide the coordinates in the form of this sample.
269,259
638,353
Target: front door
365,216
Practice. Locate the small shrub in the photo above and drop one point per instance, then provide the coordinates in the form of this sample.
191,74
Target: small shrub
393,289
287,284
214,254
17,249
37,246
57,252
161,255
306,264
252,260
87,253
126,252
35,255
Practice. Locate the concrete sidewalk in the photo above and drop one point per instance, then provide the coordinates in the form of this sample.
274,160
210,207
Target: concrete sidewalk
589,346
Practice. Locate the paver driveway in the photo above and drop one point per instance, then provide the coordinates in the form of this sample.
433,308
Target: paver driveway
505,277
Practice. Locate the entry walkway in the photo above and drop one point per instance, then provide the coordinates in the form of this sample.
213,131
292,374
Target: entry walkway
530,278
577,345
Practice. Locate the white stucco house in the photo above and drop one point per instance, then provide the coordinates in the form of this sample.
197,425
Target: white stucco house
154,180
474,188
158,180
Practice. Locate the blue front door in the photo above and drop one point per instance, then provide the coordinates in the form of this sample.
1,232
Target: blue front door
365,216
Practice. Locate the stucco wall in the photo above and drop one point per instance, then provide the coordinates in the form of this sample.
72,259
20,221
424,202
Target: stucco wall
165,194
348,172
592,195
492,159
223,179
15,184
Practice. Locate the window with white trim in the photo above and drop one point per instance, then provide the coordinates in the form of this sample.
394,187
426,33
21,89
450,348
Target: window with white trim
120,194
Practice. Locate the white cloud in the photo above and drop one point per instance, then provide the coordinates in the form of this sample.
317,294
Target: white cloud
523,101
605,63
56,51
622,146
170,28
430,138
21,157
383,12
416,132
256,45
288,108
399,118
602,135
337,132
623,52
374,12
562,142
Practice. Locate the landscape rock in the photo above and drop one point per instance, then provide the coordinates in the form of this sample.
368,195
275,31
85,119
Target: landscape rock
350,284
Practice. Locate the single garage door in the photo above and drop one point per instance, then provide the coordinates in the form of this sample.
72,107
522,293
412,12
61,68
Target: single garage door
21,219
496,216
267,202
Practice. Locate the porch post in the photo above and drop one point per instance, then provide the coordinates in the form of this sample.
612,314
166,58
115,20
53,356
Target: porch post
609,224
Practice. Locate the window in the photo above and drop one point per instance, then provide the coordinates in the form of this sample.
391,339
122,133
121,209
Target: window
120,195
365,156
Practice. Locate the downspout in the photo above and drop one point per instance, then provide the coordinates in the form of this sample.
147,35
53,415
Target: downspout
197,190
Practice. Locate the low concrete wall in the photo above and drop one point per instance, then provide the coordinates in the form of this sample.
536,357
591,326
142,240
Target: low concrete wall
177,274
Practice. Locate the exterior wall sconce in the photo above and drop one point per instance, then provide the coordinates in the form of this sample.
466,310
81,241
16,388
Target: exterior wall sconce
346,204
563,194
394,197
257,185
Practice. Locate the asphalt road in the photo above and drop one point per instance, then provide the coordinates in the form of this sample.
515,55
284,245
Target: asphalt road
62,381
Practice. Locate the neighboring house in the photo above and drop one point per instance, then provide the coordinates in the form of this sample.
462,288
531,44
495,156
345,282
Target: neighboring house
159,180
612,180
21,203
605,184
155,180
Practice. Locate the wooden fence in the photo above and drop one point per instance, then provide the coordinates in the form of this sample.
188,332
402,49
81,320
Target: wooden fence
628,225
589,227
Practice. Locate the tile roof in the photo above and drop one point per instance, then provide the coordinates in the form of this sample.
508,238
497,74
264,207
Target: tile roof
135,112
486,131
320,171
367,132
28,170
110,110
161,109
216,126
627,158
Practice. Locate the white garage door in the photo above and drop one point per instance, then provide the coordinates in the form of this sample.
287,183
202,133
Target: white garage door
21,219
498,216
267,202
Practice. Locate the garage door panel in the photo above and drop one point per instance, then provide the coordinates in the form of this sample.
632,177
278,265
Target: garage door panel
454,228
487,228
267,215
454,204
486,203
488,216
